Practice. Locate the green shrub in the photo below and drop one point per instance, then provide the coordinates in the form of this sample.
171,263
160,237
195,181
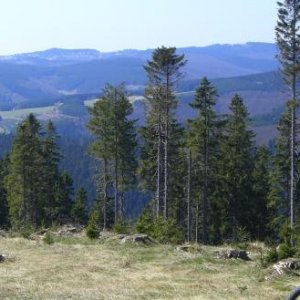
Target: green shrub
242,238
285,251
144,223
92,231
48,238
272,256
121,227
165,231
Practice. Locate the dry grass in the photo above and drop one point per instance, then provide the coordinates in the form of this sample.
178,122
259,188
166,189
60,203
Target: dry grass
79,269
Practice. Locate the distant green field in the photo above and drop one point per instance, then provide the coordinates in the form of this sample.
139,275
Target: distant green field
21,113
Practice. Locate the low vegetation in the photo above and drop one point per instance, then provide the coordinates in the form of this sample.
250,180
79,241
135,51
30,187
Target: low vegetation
77,267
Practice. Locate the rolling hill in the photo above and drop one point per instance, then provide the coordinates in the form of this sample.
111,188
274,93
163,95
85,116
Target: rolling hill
46,77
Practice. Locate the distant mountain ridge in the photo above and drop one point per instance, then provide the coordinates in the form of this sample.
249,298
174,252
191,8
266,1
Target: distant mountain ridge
43,77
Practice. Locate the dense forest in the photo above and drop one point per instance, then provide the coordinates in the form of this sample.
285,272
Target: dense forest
204,181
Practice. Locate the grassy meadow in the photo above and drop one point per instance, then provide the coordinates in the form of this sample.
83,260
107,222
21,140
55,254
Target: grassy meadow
78,268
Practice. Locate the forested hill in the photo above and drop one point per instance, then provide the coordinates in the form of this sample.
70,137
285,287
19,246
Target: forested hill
43,78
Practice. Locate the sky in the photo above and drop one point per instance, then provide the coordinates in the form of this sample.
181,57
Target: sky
111,25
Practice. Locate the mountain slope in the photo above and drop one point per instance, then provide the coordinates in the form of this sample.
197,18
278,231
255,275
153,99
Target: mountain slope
42,78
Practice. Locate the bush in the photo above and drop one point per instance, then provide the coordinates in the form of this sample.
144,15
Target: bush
48,238
272,256
164,231
121,227
144,223
242,238
92,231
285,251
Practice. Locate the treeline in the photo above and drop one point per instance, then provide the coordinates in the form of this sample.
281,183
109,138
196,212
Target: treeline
33,192
207,180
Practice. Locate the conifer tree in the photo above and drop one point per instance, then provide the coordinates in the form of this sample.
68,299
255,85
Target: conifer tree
202,141
236,167
261,190
114,146
79,211
164,71
288,42
24,175
50,160
4,212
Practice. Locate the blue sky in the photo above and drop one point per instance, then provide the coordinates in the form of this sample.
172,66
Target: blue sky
108,25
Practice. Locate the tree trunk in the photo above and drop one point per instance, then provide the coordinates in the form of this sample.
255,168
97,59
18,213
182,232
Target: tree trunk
189,197
105,195
205,177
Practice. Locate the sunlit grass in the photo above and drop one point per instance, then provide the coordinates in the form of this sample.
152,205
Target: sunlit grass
78,268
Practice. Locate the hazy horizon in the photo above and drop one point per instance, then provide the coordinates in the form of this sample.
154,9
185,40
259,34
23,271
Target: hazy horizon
115,25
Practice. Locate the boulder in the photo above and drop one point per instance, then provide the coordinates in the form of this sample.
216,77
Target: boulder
137,238
2,258
283,266
233,253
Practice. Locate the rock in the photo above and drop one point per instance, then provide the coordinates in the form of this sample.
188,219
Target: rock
2,257
286,265
137,238
233,253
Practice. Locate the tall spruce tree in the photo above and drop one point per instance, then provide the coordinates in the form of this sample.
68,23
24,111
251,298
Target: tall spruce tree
4,209
288,42
50,173
114,146
164,71
79,211
24,175
236,167
261,190
202,141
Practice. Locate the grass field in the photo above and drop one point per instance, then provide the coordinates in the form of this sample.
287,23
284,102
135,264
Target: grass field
19,114
76,268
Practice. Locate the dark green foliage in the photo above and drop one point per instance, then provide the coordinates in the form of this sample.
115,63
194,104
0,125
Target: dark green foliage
121,227
144,223
114,147
36,192
4,209
271,256
92,229
162,136
236,167
79,211
203,140
164,231
261,189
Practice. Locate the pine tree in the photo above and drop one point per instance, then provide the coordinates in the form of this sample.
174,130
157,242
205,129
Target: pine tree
114,146
202,141
236,167
50,161
64,200
79,211
4,209
163,72
261,190
288,42
24,175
